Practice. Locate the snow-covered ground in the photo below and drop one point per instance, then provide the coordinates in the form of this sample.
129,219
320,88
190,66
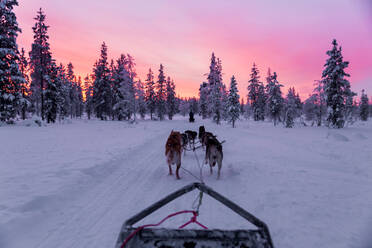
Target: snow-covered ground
74,184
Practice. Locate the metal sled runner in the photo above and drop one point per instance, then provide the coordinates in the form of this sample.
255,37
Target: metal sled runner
145,237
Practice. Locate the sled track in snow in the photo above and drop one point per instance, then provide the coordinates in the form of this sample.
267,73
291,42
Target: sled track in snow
106,204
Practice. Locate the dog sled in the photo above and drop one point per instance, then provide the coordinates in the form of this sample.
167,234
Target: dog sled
148,236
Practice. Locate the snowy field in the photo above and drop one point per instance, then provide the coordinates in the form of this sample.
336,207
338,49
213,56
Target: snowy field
74,184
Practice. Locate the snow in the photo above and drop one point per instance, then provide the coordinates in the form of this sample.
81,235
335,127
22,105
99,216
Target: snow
74,184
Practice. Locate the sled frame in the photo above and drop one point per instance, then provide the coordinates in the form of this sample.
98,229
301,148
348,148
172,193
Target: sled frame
257,238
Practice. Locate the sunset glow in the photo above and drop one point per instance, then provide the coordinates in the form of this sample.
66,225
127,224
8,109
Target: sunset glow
290,37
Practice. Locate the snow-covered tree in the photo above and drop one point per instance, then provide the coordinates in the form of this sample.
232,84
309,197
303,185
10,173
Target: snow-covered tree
233,105
203,100
336,86
184,107
319,100
242,106
40,63
11,78
256,95
310,109
88,86
102,86
124,98
215,86
24,69
53,98
363,106
150,96
290,108
140,98
161,94
274,98
171,98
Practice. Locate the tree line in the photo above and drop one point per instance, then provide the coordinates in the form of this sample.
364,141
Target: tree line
332,102
37,85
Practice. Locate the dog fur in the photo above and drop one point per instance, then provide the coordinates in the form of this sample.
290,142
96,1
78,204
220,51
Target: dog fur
191,136
214,154
201,133
173,150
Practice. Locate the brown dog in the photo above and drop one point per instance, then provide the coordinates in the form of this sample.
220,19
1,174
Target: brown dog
173,150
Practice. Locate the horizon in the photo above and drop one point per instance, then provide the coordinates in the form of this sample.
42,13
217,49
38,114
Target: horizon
273,35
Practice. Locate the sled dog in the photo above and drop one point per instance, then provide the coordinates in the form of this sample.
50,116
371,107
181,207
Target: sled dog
201,133
214,154
191,136
173,150
185,142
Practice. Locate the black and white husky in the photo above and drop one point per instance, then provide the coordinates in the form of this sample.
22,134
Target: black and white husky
214,154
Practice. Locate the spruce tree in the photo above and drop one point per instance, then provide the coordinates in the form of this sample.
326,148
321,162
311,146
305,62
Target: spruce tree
101,86
124,98
88,86
150,96
320,102
40,62
215,85
24,69
11,78
290,108
161,94
364,107
171,98
52,95
233,106
274,98
256,95
336,86
140,96
203,100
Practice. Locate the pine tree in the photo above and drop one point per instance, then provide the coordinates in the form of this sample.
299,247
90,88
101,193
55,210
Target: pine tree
161,94
336,86
40,62
65,107
88,86
24,69
215,86
140,96
203,100
290,108
11,78
233,105
253,92
364,107
123,90
261,102
150,96
80,99
101,86
171,98
274,98
52,95
242,107
319,97
73,90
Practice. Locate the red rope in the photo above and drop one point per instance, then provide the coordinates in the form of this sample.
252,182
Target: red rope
192,220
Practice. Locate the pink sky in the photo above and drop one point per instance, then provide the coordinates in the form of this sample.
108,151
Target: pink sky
290,37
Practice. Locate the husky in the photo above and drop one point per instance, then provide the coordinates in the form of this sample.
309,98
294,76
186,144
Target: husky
191,136
185,142
214,154
173,150
206,137
201,133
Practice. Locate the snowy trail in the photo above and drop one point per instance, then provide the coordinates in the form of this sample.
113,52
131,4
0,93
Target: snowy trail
310,185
